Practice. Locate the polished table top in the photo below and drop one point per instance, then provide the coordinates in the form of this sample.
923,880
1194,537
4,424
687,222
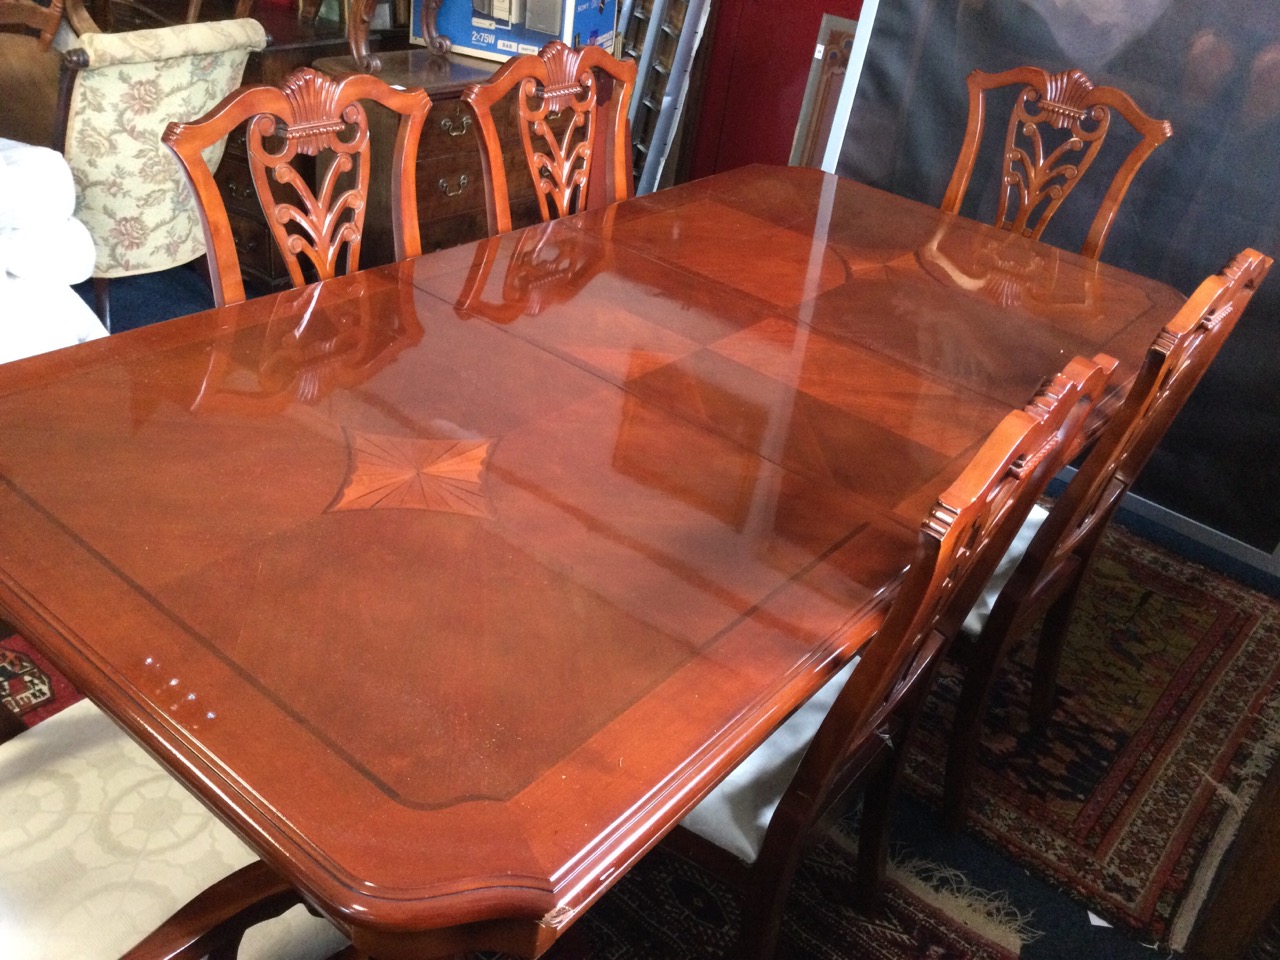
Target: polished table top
452,584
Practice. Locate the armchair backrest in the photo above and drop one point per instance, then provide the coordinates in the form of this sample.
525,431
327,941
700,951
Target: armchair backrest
118,93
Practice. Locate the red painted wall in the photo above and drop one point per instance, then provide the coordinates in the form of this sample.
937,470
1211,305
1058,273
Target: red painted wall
760,57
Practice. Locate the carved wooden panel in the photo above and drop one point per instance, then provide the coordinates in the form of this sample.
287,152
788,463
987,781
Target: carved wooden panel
316,214
1056,128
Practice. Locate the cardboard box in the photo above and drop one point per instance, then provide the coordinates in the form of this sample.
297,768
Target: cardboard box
499,29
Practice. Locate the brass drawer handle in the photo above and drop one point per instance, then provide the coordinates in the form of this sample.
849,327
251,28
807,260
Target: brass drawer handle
444,186
447,126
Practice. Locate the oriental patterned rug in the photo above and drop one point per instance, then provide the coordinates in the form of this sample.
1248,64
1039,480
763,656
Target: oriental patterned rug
1168,721
29,685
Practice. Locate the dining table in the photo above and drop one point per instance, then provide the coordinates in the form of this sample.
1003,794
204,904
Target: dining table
452,584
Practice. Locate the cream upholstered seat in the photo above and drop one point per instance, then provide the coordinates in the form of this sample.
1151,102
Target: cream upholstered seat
99,845
124,89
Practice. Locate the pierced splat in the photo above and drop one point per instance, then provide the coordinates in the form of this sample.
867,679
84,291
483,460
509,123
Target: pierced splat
556,127
1039,173
571,110
1056,130
316,207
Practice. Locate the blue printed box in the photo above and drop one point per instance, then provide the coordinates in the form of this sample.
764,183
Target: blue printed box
498,29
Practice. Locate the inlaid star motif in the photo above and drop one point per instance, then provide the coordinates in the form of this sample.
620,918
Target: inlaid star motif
415,474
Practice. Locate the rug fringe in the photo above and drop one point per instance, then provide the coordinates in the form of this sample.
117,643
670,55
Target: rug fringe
988,913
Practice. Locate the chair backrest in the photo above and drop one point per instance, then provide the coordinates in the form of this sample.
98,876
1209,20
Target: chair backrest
28,17
1174,364
571,109
119,90
317,219
961,540
1056,129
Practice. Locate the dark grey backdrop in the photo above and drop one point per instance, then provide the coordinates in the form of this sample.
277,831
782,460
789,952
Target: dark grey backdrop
1211,67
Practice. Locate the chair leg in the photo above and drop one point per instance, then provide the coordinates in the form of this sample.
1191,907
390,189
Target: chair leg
873,835
1053,637
988,653
102,300
767,890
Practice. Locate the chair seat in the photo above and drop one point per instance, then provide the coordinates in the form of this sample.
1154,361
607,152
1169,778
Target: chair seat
99,845
736,814
977,617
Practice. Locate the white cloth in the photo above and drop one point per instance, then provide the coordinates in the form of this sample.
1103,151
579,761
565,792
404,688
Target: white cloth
50,251
977,618
35,185
99,845
736,814
39,317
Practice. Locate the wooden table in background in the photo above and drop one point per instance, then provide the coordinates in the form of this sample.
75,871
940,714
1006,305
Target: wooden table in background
451,585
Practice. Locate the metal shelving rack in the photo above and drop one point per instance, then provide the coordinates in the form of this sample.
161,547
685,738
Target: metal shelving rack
663,36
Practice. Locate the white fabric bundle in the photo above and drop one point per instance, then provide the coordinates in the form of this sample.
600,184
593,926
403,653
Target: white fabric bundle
38,317
43,250
51,251
35,185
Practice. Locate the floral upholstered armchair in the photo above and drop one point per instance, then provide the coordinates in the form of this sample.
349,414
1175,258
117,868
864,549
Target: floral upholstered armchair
120,90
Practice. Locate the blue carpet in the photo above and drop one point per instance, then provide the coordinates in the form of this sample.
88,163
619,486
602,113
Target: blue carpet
151,297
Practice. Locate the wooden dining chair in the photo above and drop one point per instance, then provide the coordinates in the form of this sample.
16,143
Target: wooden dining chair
103,854
1042,574
1056,130
317,220
754,828
571,110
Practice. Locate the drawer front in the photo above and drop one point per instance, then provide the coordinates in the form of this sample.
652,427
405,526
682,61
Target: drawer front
450,185
451,127
455,184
